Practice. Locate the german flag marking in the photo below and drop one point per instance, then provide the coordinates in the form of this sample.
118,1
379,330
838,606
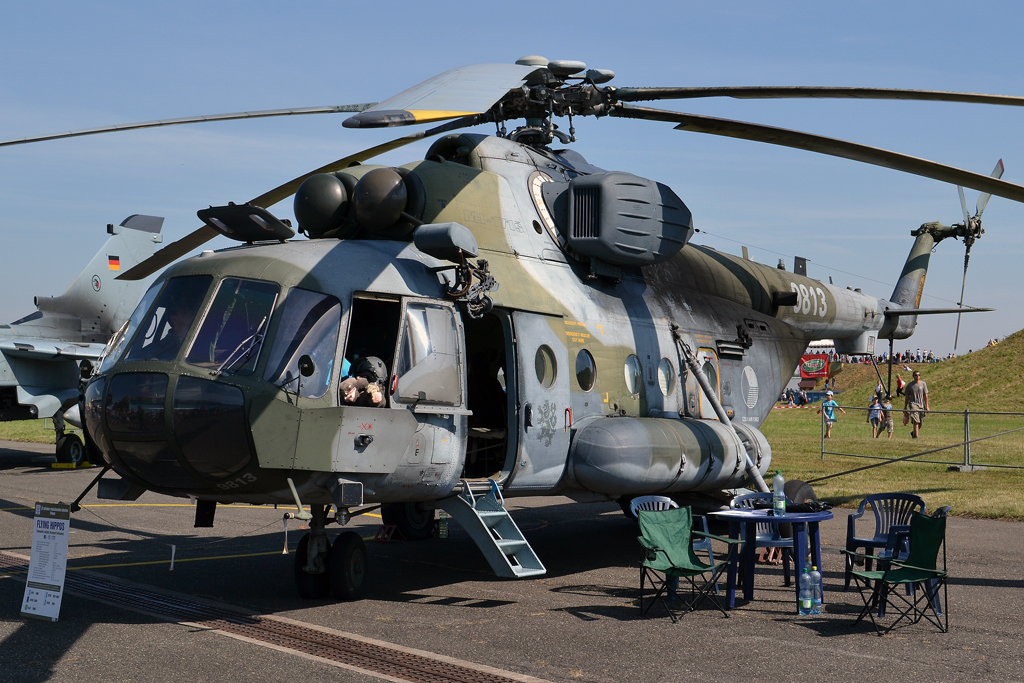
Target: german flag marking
114,262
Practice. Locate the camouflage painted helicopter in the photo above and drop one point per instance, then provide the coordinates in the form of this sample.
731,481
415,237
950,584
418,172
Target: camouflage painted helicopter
545,325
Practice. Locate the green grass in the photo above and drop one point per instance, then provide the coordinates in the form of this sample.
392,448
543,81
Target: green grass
985,380
27,430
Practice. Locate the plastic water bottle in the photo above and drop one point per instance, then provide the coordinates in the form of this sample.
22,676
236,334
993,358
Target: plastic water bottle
442,524
815,590
778,494
805,596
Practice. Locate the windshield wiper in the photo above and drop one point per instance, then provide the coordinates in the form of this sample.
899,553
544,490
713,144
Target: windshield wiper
250,343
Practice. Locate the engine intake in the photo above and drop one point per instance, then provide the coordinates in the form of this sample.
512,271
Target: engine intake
620,218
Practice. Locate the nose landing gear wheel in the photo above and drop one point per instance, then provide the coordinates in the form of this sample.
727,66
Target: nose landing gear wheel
347,566
310,586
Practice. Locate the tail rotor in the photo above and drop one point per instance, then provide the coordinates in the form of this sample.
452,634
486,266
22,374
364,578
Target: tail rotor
972,230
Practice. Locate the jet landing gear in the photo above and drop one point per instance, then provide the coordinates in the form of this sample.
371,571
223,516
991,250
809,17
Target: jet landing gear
324,570
70,448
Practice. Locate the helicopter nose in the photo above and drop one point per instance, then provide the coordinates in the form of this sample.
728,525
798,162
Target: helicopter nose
128,418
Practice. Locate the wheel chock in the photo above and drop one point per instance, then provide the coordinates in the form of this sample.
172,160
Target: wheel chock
387,533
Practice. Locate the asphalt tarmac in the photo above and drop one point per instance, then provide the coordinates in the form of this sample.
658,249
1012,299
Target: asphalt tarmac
579,622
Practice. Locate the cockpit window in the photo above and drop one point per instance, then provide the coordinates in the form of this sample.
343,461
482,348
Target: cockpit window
309,326
166,326
116,345
428,363
232,333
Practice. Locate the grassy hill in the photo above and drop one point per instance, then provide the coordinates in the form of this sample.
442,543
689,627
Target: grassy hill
985,380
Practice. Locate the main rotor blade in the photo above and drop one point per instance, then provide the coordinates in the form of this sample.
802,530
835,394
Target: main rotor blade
997,172
267,113
812,92
825,145
179,248
466,90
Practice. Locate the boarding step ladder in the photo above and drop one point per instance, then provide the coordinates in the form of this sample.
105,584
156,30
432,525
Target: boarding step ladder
484,517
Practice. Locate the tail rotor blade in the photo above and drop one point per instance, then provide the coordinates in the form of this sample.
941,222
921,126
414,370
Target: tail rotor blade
997,172
963,285
963,205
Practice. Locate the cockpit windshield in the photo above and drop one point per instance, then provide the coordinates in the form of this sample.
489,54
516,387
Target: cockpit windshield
165,327
232,332
117,343
309,326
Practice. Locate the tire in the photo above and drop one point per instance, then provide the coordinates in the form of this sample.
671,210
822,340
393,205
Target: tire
347,566
415,521
310,586
799,491
70,449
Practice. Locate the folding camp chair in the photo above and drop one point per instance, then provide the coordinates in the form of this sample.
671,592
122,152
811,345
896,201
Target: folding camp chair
919,570
666,537
701,543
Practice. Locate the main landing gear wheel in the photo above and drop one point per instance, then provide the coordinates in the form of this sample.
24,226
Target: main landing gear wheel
310,586
415,521
347,566
70,449
799,491
624,502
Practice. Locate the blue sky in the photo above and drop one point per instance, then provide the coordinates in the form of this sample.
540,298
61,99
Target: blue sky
77,65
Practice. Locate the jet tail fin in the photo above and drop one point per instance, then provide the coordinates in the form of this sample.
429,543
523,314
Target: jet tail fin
100,301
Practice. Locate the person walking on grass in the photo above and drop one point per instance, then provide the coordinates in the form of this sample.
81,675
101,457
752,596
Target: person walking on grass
875,416
916,405
887,414
829,405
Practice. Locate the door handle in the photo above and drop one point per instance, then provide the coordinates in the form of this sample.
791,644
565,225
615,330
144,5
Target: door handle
528,415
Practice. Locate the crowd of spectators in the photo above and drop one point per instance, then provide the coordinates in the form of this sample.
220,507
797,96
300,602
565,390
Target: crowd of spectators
908,356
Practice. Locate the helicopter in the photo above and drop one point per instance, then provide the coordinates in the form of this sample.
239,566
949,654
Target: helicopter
539,325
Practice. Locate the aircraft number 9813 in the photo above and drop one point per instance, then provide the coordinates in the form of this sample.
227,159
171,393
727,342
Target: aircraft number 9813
237,482
807,300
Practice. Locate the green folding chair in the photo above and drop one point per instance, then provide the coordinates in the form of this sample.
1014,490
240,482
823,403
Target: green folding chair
666,537
919,571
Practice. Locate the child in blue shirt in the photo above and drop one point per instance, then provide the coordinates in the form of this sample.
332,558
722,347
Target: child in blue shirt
829,405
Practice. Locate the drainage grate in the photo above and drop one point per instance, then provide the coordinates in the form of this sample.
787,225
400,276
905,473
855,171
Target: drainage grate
352,652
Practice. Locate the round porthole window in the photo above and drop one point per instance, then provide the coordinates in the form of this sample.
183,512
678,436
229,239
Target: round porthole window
545,365
666,376
586,370
634,374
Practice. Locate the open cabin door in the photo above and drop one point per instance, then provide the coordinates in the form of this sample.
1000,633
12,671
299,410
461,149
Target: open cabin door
543,415
708,361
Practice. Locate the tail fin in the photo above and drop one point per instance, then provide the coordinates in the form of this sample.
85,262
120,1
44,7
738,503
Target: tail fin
910,286
101,302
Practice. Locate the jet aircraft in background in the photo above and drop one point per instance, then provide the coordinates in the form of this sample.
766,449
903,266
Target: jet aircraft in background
40,353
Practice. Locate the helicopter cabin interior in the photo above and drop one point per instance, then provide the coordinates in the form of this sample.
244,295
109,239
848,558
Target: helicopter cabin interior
378,328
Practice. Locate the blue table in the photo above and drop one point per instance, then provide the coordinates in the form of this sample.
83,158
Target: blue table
805,528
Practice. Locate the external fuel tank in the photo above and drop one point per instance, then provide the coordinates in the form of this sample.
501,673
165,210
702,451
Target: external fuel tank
645,455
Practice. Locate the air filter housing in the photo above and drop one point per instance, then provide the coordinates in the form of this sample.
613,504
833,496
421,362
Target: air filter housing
625,220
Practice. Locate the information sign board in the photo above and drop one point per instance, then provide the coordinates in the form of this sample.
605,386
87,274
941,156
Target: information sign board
45,586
